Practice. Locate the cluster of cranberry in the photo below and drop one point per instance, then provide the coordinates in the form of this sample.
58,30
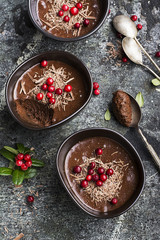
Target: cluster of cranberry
99,177
73,11
48,86
23,161
95,88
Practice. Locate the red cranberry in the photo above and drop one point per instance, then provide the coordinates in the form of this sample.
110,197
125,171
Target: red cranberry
99,183
24,167
99,151
86,22
114,201
124,59
20,156
84,184
74,11
134,18
52,100
79,5
109,11
51,89
95,85
44,87
97,92
89,178
49,95
95,177
90,171
39,96
139,26
77,25
100,170
29,163
103,177
77,169
66,19
27,157
92,165
60,13
59,91
65,8
30,199
44,63
49,81
68,88
19,163
157,54
109,172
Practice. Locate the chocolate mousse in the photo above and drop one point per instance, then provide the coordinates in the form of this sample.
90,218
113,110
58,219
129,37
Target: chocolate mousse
48,92
68,19
101,173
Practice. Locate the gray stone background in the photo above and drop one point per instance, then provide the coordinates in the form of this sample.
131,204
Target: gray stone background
53,214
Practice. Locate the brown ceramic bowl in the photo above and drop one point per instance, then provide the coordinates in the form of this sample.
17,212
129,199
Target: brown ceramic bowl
33,13
65,57
103,132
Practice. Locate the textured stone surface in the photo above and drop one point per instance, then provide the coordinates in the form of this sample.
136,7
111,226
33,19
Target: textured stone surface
54,215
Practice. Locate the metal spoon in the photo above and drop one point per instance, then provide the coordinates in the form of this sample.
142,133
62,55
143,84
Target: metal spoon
124,25
133,51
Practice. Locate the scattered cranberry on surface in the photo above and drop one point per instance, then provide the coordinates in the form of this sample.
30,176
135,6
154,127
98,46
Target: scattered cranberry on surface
100,170
79,5
86,22
77,25
51,89
157,54
124,59
74,11
95,85
84,184
29,163
114,201
99,151
27,157
66,19
24,167
92,165
65,8
77,169
97,92
68,88
44,63
52,100
109,11
60,13
20,156
39,96
90,171
109,172
134,18
58,91
49,81
44,87
30,199
19,163
49,95
99,183
139,26
95,177
88,178
103,177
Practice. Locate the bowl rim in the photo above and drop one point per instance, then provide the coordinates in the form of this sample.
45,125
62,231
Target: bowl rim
76,202
46,33
65,119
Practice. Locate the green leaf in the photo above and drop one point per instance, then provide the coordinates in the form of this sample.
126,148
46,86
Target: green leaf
20,147
11,165
12,150
139,99
107,115
18,177
155,82
5,171
37,163
28,150
5,153
30,173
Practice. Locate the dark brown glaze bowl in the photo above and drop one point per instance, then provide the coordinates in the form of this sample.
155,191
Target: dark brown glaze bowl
65,57
100,132
33,13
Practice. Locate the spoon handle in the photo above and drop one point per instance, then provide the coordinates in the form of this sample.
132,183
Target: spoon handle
147,54
151,150
151,71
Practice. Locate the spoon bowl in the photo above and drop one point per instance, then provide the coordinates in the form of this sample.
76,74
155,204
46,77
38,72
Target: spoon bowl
136,112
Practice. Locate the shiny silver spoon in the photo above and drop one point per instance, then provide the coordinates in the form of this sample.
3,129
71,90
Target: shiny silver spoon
133,51
124,25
